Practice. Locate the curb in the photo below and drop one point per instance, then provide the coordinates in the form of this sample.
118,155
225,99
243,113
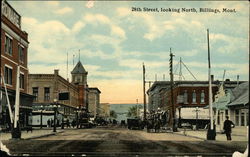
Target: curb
189,136
46,135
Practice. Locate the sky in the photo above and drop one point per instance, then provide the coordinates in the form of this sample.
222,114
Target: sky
113,41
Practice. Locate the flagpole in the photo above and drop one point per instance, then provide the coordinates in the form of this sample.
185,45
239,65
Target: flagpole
211,131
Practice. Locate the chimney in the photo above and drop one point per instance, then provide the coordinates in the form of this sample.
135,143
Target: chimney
56,71
212,78
238,77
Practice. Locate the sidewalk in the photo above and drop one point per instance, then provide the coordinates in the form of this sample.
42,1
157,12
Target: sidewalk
202,134
36,133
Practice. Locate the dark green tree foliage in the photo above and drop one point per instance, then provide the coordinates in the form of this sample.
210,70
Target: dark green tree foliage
113,114
132,111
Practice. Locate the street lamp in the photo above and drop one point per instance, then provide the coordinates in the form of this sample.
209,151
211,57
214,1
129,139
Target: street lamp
55,106
41,119
77,119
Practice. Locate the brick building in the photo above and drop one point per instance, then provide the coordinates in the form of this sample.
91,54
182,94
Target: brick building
14,53
46,88
187,96
79,79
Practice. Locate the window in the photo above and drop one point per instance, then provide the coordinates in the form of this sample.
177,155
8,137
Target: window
8,75
242,114
237,117
78,79
35,93
202,96
21,81
8,45
226,111
218,118
46,94
185,97
194,97
21,53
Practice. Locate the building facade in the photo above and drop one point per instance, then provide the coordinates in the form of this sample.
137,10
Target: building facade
234,103
79,79
94,101
46,89
104,110
14,54
190,99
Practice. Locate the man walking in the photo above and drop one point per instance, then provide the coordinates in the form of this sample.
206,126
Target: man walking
228,125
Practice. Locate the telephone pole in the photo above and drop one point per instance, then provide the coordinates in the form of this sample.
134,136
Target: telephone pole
211,133
144,93
171,87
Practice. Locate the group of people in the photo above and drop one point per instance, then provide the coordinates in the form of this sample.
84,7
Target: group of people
50,122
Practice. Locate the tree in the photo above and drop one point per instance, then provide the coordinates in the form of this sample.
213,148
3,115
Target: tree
133,111
113,114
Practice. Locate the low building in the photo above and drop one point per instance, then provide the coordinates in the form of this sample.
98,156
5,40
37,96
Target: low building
233,103
189,98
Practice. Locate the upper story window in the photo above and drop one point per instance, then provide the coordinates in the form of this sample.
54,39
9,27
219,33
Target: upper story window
8,45
21,83
185,97
8,75
21,53
194,97
202,96
35,93
46,93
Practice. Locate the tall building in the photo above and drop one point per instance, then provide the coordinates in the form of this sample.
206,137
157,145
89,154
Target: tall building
14,53
94,101
79,78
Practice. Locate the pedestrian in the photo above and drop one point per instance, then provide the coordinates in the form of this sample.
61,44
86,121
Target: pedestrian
228,125
48,123
67,122
52,122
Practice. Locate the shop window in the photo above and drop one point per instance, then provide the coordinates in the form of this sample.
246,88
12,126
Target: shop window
185,97
35,93
8,75
237,117
46,93
8,45
242,118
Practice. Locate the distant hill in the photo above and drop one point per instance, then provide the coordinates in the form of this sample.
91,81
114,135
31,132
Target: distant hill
121,110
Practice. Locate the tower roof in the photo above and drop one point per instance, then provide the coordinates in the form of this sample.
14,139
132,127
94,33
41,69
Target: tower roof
79,69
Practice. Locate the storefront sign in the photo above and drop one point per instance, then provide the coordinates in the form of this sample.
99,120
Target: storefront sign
11,14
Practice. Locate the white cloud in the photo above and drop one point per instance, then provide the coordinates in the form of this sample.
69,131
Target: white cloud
63,11
118,31
121,11
78,26
53,3
94,19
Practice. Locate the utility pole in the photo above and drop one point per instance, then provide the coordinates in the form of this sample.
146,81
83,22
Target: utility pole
211,130
171,87
144,93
